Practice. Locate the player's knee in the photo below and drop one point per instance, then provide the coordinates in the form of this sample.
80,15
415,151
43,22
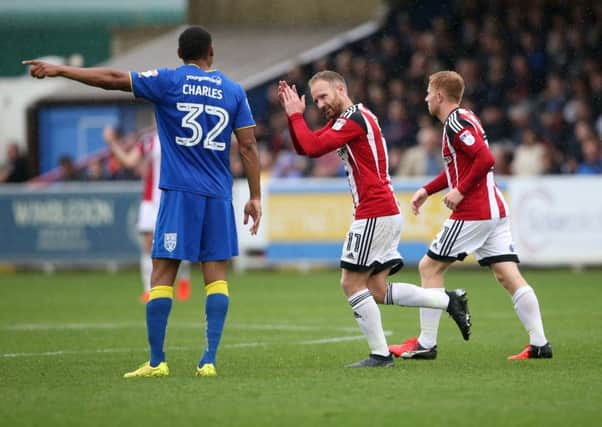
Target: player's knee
345,285
378,292
427,267
431,272
500,277
508,275
351,287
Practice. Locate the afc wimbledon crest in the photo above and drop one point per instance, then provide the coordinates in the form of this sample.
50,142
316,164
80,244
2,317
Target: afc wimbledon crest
169,241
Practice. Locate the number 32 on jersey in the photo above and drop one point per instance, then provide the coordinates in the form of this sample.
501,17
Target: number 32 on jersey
189,122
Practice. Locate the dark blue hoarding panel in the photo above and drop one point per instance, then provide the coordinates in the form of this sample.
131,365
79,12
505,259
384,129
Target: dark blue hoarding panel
82,223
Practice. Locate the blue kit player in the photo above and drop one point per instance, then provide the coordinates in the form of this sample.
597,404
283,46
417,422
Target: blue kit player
196,110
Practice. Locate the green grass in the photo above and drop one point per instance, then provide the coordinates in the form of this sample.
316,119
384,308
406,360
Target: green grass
66,339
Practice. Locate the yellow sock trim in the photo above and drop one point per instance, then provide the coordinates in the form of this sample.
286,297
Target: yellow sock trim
161,291
217,287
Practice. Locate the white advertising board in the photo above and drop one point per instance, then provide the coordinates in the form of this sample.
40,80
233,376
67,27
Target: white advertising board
557,220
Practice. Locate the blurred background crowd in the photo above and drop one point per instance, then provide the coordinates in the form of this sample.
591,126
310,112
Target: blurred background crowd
532,73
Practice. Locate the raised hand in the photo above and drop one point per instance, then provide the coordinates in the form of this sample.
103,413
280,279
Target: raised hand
289,98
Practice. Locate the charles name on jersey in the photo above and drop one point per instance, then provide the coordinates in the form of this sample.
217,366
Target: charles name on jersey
201,90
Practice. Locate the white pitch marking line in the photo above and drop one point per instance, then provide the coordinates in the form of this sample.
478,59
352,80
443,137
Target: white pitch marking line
176,348
191,325
69,326
338,339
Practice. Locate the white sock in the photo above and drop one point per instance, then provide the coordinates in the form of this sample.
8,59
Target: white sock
527,308
146,268
184,271
429,323
367,315
408,295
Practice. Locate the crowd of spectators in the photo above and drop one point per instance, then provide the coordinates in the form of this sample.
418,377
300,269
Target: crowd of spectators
532,73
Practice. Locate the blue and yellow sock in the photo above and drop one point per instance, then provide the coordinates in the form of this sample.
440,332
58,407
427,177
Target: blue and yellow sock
216,309
157,312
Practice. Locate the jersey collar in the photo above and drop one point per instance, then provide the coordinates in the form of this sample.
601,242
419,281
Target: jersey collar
450,113
209,70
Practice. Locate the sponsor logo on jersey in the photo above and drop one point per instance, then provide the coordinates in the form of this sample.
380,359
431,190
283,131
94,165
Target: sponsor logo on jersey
467,138
169,241
447,159
213,79
338,125
149,73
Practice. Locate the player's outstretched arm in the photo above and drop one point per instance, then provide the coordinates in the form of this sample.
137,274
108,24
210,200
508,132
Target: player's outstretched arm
249,156
105,78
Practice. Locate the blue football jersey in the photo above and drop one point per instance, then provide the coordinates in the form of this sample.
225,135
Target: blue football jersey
196,112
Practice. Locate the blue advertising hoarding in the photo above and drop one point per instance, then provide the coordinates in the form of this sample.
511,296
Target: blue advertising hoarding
69,223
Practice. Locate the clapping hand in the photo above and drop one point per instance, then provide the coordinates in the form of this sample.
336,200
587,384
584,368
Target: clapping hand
289,98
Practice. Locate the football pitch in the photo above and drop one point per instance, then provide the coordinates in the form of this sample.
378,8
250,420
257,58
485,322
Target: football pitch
67,339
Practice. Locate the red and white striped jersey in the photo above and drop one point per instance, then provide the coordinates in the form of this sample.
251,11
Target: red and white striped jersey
357,137
469,168
150,148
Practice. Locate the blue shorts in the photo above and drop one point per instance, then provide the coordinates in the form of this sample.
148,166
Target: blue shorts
195,228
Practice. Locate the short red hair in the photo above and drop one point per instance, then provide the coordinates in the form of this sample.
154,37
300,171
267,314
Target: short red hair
449,82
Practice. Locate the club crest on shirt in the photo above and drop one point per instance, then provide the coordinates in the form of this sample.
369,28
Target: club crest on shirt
169,241
338,125
149,73
467,138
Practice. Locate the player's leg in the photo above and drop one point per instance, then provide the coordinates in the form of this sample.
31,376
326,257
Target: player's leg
158,308
359,253
454,241
159,305
432,273
183,287
406,294
147,217
368,318
385,259
219,243
498,253
146,264
424,346
526,306
170,245
409,295
216,310
524,300
176,238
